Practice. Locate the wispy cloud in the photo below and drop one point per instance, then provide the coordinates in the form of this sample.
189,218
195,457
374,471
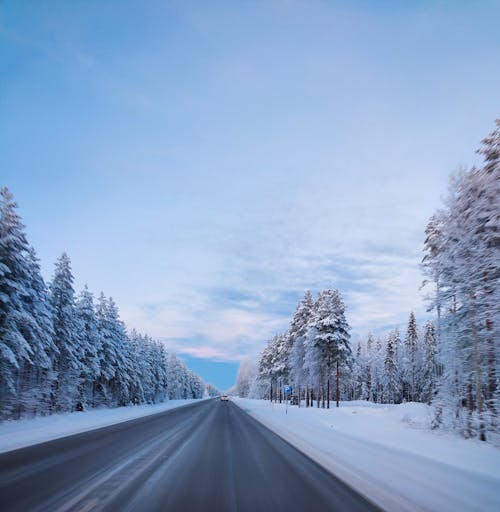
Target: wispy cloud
206,166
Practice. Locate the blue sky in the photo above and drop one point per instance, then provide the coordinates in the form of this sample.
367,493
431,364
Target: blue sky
206,162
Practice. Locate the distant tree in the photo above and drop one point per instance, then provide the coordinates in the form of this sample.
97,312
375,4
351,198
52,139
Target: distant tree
247,373
411,360
392,383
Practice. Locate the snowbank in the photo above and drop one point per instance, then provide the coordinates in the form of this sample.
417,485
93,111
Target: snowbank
388,453
21,433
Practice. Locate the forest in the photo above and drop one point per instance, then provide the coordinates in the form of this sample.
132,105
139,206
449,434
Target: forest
450,362
63,352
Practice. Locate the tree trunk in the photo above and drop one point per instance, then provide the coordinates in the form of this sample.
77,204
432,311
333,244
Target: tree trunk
477,371
328,391
492,381
319,392
337,387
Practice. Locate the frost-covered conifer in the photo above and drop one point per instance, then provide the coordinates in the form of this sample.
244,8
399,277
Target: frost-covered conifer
89,347
410,390
391,376
430,365
67,337
466,261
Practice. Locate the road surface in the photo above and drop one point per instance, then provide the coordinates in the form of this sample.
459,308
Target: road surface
207,456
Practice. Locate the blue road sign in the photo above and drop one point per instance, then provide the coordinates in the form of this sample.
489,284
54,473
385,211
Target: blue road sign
287,390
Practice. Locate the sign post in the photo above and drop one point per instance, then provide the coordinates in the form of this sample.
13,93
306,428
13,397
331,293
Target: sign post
287,390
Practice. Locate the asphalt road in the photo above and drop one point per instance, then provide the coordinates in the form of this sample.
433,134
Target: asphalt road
208,456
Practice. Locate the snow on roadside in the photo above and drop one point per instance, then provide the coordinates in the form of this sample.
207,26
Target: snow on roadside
20,433
388,453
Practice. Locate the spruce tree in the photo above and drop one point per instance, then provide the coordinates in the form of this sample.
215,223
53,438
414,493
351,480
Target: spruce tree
89,347
15,349
391,373
430,366
411,351
67,337
329,338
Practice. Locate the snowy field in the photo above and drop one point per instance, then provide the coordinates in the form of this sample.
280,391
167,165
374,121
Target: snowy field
388,453
21,433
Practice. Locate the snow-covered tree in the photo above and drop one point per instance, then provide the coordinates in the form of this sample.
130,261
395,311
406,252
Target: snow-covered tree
15,349
430,364
37,378
411,361
327,342
89,347
391,376
299,377
465,259
247,373
62,354
67,337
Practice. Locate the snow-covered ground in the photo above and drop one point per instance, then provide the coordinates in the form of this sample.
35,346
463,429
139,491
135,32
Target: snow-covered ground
389,454
20,433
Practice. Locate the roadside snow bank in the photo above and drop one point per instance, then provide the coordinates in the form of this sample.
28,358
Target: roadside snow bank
21,433
388,453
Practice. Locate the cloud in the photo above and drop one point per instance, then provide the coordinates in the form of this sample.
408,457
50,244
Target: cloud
250,293
224,179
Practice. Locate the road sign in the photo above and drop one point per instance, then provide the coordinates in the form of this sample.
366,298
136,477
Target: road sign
287,390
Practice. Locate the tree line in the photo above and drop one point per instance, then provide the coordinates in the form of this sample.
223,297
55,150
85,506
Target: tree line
61,352
396,368
313,352
451,362
315,356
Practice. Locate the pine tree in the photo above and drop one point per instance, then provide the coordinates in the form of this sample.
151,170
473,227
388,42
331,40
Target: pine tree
37,377
391,375
89,347
377,370
15,349
430,367
411,361
265,370
138,373
114,368
328,339
246,375
297,333
466,261
369,388
67,337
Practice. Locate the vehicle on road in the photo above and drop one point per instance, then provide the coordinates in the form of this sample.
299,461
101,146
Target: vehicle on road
224,398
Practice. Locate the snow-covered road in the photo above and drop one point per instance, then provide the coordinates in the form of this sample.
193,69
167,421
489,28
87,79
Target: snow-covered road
386,453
